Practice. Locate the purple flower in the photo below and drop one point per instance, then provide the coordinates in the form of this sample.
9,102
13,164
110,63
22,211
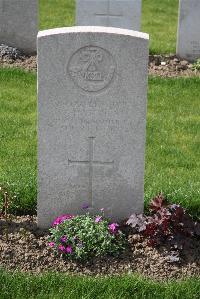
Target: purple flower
98,219
61,248
63,239
68,249
51,244
102,210
61,218
85,206
113,228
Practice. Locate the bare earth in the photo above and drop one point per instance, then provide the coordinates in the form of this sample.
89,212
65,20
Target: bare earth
27,250
159,65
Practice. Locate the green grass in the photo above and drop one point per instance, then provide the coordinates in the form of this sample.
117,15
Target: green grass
54,286
56,13
172,147
159,19
18,135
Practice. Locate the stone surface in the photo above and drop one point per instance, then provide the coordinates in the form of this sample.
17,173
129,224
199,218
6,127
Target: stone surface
188,37
92,116
113,13
19,24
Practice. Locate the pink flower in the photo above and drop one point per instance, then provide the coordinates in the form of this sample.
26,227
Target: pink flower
113,227
51,244
61,248
98,219
68,249
61,218
102,210
63,239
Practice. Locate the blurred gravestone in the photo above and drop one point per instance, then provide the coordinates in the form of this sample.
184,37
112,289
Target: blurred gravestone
19,24
91,121
109,13
188,37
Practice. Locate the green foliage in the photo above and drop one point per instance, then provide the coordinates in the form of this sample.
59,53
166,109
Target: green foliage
56,13
18,137
172,143
58,286
83,237
160,19
196,65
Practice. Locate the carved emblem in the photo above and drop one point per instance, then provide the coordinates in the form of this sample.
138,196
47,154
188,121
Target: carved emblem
91,68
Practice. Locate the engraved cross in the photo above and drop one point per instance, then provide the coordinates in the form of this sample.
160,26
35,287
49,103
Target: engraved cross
91,163
108,15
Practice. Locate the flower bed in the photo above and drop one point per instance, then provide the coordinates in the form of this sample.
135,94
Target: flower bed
23,246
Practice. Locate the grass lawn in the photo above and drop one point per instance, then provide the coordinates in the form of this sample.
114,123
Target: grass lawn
159,19
54,286
18,136
172,158
172,147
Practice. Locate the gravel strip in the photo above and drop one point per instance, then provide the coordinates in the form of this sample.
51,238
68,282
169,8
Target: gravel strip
170,66
27,250
12,57
159,65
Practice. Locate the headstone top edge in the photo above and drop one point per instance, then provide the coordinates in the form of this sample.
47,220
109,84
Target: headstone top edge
93,29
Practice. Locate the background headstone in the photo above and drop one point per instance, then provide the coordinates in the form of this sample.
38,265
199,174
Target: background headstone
109,13
19,24
92,115
188,37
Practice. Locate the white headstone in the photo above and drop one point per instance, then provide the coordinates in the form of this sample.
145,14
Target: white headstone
188,38
110,13
91,121
19,24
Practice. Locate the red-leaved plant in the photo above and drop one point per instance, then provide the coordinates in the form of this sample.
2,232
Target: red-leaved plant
168,224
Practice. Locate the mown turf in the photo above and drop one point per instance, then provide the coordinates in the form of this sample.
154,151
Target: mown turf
55,286
159,19
18,136
56,13
172,147
172,151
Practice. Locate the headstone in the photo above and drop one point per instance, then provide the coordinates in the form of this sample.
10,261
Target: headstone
109,13
19,24
188,39
92,115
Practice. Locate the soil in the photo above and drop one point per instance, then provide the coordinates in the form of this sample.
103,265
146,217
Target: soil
171,66
27,250
27,63
159,65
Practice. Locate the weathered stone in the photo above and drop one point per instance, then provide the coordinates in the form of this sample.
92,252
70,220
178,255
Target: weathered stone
19,24
109,13
188,37
92,115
